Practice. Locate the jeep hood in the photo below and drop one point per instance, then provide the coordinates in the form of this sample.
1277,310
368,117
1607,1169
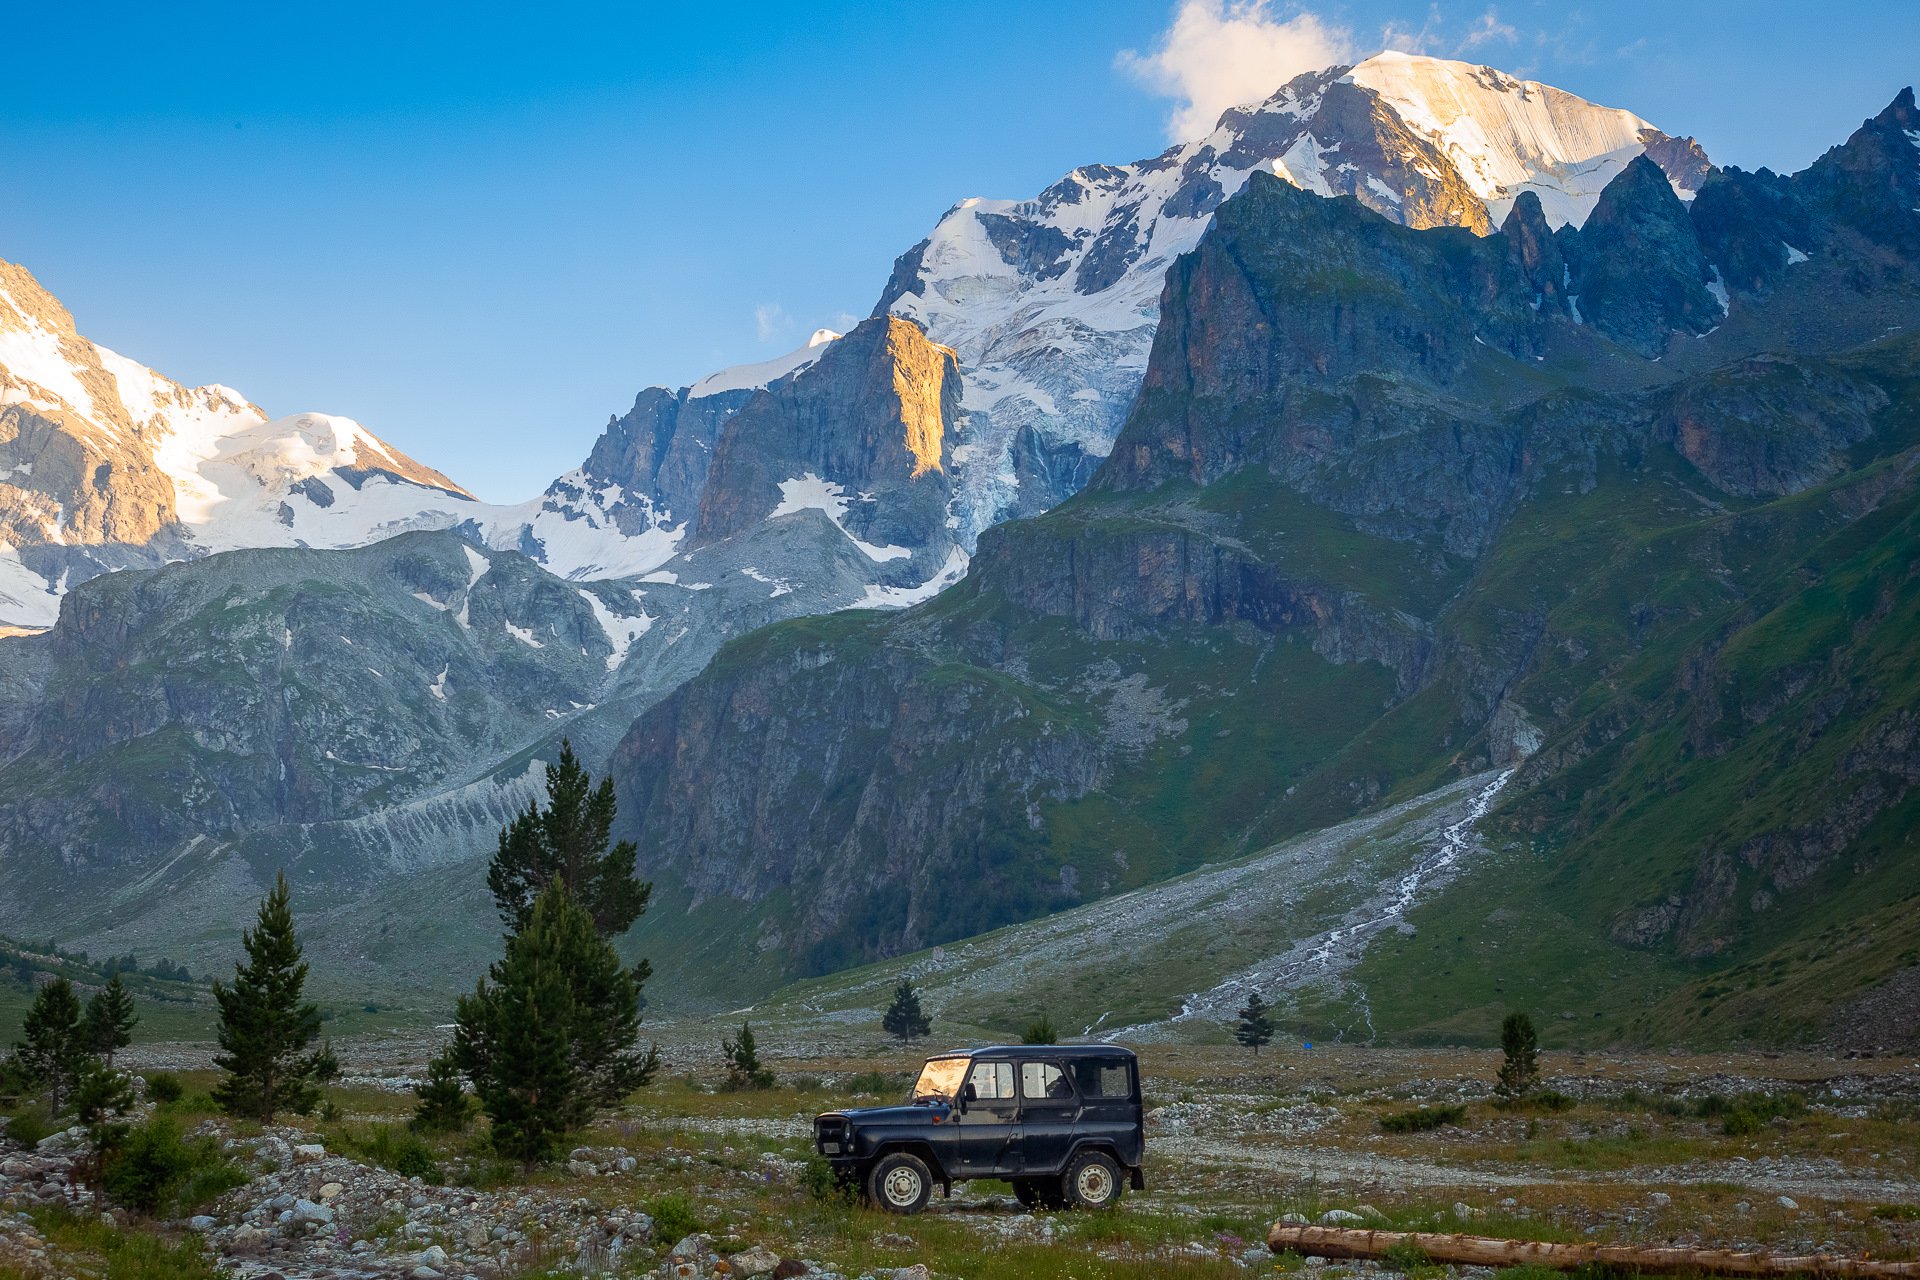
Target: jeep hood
921,1113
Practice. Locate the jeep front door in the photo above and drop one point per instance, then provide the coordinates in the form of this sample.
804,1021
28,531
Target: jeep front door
990,1127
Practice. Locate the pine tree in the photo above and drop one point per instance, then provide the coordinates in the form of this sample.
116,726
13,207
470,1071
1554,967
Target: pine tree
904,1020
743,1061
443,1105
1256,1023
53,1048
110,1019
567,843
1040,1031
1520,1071
101,1099
266,1027
548,1038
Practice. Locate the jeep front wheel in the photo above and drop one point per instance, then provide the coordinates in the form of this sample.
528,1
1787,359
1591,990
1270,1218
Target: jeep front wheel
1092,1182
900,1183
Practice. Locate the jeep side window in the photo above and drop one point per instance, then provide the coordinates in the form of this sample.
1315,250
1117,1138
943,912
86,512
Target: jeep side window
992,1081
1102,1079
1043,1081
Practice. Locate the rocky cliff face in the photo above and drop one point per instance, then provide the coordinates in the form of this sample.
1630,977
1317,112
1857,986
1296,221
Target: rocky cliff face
870,420
1392,504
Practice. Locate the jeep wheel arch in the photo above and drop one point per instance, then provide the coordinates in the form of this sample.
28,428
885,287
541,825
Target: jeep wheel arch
920,1150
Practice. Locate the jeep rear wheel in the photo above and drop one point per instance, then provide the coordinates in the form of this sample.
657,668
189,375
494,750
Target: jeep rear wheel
900,1183
1092,1181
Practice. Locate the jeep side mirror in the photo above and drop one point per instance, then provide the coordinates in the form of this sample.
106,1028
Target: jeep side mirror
967,1094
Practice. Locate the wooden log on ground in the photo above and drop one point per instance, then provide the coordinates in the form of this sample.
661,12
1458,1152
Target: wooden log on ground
1486,1251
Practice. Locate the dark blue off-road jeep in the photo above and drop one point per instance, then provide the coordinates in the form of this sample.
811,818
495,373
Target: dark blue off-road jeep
1062,1123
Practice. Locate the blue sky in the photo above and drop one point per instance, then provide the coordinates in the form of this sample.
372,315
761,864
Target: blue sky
480,229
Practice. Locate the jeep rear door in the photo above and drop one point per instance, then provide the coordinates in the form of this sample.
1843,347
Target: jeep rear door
1109,1090
1049,1112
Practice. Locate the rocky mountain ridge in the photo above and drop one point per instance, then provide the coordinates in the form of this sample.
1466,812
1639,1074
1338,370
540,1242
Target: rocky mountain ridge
1393,504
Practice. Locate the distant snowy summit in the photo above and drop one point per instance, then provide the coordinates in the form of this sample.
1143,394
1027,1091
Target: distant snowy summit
1051,302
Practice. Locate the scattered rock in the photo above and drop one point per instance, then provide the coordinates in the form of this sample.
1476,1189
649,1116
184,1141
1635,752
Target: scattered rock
1336,1216
1787,1202
757,1261
1659,1199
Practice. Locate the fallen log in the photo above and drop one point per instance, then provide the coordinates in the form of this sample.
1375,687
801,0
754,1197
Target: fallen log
1486,1251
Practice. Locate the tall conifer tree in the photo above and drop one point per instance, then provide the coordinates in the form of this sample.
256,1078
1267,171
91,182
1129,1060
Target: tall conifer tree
266,1025
110,1019
52,1049
549,1037
568,843
1256,1023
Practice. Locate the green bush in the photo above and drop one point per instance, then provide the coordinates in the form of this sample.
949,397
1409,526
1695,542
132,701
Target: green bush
399,1149
29,1124
822,1183
158,1172
1748,1113
1422,1119
1040,1031
1537,1100
673,1219
164,1086
872,1082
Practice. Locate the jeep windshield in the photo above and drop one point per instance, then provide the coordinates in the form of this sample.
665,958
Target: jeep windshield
940,1079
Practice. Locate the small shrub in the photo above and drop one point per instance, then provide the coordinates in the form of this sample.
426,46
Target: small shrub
1040,1031
444,1106
1538,1100
1422,1119
822,1182
158,1172
871,1082
28,1125
673,1219
1749,1113
400,1150
1897,1212
164,1086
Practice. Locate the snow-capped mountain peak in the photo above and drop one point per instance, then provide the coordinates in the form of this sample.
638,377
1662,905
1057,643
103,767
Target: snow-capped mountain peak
1507,135
106,464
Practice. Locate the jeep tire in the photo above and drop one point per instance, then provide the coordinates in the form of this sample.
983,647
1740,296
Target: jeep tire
900,1183
1092,1181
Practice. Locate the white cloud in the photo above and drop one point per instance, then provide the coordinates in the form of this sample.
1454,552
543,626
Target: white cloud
772,320
1222,53
1488,27
1403,39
